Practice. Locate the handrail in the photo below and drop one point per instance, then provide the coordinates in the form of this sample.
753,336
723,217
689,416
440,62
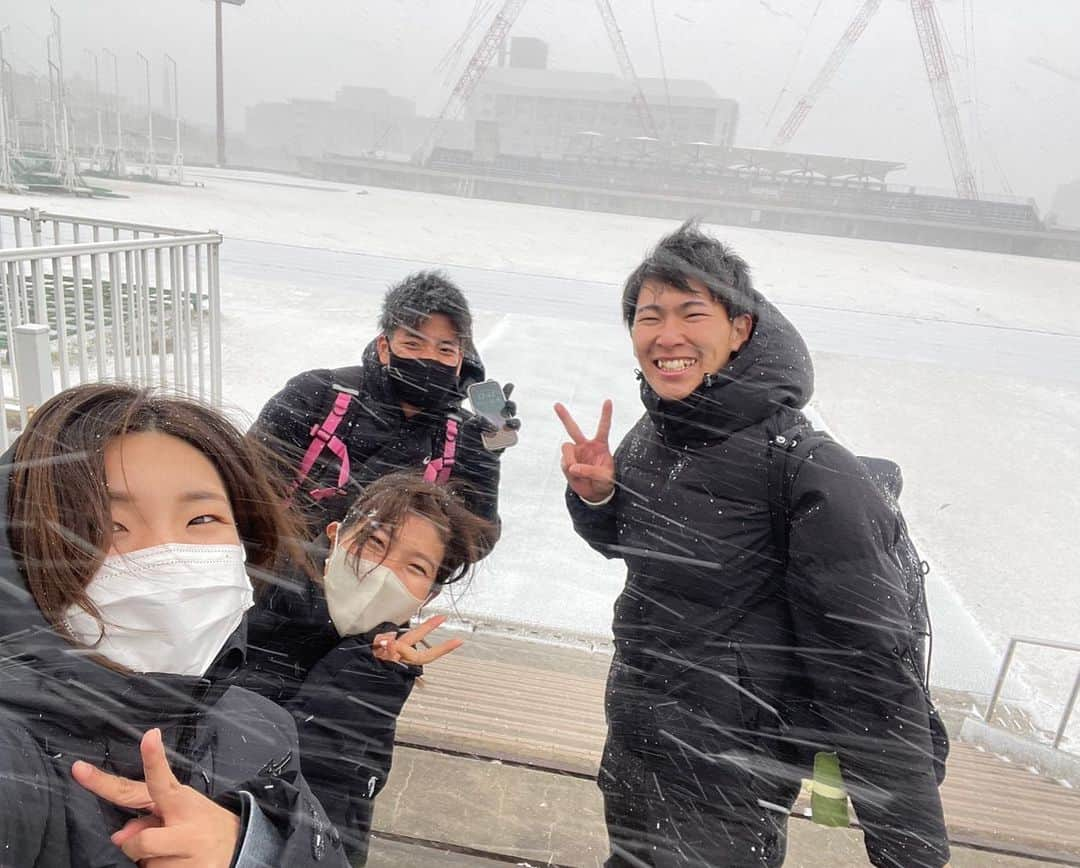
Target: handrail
12,254
46,216
1005,663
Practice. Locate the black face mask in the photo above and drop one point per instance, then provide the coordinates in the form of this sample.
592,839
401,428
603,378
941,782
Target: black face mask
424,383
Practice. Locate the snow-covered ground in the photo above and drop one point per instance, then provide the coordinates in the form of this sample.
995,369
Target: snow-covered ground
962,366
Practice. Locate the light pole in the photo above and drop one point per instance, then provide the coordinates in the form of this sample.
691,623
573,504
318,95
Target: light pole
118,159
98,159
68,166
151,159
178,154
219,54
7,179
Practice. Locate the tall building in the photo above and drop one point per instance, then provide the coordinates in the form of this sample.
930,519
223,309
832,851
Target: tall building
539,112
358,121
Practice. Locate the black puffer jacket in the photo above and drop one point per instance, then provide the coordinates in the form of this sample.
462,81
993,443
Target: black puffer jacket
378,436
719,654
344,700
57,707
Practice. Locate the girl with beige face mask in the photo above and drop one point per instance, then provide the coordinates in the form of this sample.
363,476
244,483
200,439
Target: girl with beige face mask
339,651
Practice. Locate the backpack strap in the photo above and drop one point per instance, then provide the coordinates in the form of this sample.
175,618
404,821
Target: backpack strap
438,470
323,436
788,451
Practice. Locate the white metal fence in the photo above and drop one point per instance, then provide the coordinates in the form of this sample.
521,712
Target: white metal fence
104,300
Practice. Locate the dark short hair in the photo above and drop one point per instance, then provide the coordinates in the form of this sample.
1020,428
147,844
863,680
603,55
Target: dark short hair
689,254
58,505
421,295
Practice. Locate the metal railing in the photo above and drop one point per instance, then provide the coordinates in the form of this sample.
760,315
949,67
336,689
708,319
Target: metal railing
121,301
1000,683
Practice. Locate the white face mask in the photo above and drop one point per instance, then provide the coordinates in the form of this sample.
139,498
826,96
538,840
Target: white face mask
362,598
168,608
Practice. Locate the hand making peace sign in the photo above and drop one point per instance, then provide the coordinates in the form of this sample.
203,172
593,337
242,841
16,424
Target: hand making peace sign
401,649
587,463
183,827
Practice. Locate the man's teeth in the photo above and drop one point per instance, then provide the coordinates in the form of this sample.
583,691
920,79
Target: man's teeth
674,364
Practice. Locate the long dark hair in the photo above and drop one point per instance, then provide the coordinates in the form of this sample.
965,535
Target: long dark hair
58,506
389,500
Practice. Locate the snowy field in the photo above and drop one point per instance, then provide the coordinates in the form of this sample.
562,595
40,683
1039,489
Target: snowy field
962,366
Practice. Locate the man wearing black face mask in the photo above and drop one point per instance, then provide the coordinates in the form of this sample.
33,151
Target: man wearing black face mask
341,429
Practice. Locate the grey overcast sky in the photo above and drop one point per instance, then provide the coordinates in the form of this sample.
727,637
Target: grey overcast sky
878,106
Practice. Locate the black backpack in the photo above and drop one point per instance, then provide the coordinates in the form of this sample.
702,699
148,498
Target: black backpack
788,451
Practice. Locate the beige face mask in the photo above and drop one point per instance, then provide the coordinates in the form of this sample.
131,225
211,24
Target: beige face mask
361,598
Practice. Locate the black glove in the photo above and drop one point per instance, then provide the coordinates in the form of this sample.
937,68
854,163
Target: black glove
508,412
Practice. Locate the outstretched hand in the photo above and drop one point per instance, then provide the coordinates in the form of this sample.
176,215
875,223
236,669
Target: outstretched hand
587,462
402,649
183,827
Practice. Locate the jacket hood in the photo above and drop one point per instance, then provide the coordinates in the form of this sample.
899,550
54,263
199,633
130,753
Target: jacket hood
45,678
771,372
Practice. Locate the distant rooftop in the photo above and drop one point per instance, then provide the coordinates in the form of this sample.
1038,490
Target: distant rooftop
596,84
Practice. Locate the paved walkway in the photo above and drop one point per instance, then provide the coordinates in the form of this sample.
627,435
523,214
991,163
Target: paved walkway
499,744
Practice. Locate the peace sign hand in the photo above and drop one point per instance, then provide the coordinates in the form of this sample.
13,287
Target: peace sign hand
401,649
587,463
183,828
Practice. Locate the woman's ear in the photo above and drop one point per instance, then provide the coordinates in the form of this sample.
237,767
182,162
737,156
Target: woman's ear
332,530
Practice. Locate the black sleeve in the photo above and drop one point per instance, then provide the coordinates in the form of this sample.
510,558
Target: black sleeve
346,713
284,423
32,826
850,615
476,477
596,525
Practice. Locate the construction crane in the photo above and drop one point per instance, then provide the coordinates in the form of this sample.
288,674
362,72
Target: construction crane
496,36
928,29
481,59
937,71
802,108
626,66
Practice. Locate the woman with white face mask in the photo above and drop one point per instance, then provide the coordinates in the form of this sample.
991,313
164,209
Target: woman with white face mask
330,649
131,522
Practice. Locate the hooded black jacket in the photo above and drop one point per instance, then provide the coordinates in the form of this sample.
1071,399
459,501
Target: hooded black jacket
345,701
58,706
720,652
378,436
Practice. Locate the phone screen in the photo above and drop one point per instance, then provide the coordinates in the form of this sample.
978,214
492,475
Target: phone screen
488,401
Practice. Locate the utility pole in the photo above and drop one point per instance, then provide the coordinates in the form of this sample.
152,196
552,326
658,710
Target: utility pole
151,159
118,157
178,154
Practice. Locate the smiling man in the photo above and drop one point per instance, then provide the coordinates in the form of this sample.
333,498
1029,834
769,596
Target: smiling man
740,652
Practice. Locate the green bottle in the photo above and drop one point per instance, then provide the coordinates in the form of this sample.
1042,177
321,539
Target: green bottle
828,798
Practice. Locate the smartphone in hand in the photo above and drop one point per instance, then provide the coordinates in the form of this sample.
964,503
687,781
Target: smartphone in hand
488,401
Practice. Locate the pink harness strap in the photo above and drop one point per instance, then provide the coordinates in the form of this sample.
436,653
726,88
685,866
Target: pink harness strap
439,469
324,437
